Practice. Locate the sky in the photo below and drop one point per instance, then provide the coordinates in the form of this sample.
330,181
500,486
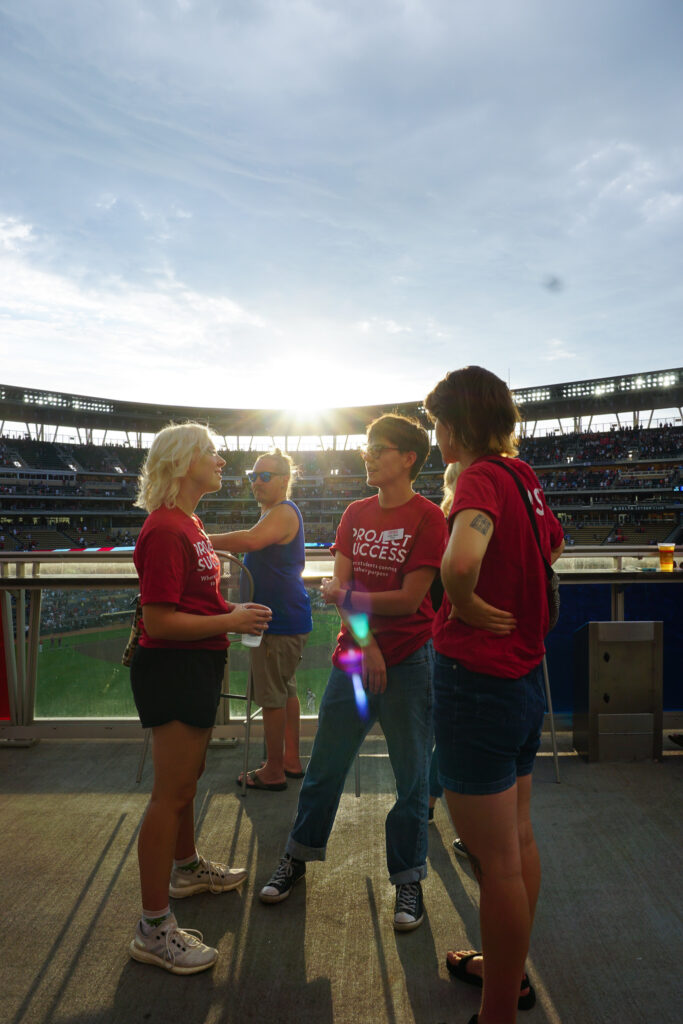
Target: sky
304,203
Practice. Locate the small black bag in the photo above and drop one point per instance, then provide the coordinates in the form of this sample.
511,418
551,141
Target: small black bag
552,579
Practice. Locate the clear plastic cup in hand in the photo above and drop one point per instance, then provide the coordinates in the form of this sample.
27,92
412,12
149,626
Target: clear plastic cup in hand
251,639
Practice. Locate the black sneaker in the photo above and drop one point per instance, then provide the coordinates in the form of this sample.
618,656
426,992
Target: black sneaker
286,874
409,909
460,848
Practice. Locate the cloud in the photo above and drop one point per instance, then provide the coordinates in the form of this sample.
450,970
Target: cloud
13,234
554,350
208,189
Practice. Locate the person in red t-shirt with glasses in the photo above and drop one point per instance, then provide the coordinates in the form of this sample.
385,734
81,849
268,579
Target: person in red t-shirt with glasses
386,554
489,698
176,677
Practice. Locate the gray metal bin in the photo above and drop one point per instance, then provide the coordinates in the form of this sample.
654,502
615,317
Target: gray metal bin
618,691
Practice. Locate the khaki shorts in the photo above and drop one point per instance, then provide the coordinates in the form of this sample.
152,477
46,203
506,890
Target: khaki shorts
273,667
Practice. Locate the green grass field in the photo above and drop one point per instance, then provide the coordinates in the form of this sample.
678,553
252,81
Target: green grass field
81,675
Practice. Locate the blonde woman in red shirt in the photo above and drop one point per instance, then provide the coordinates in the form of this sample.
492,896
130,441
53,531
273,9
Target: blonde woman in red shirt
176,677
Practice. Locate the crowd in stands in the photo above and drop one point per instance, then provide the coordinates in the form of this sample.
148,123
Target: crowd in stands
65,610
588,471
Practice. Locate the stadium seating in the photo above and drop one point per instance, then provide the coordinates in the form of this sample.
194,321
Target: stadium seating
606,487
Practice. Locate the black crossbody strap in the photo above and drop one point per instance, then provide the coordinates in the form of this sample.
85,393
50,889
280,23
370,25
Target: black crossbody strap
530,512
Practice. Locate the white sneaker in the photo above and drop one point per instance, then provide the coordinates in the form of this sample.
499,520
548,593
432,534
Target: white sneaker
206,877
179,950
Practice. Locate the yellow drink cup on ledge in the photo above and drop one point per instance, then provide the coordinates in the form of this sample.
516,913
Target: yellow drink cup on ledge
666,557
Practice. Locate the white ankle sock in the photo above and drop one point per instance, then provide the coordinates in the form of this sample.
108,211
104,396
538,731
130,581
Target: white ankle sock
151,918
187,861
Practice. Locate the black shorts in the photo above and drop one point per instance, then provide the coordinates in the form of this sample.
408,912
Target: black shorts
171,685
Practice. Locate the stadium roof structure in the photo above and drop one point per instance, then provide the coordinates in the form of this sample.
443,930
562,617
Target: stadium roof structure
626,393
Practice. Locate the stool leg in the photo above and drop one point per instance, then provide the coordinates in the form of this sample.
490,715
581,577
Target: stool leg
247,734
553,734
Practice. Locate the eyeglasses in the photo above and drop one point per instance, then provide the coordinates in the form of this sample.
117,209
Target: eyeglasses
375,450
264,475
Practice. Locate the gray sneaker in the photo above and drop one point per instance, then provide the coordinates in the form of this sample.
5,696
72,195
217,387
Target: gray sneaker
286,874
206,877
179,950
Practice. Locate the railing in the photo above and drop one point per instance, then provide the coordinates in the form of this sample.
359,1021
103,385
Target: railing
66,616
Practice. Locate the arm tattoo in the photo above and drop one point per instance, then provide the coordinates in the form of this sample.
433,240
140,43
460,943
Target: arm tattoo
481,523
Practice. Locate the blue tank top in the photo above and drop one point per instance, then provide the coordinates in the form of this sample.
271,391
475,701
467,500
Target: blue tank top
277,582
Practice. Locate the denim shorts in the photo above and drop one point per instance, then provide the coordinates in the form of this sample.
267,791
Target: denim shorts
487,729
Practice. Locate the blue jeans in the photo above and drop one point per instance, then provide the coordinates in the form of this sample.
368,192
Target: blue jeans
404,712
435,787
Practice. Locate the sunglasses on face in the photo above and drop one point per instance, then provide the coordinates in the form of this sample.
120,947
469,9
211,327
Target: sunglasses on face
263,474
375,450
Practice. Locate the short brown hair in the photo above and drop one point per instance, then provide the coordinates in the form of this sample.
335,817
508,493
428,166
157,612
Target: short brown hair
478,409
406,433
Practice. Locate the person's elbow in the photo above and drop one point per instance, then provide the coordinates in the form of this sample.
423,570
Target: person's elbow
556,552
462,566
157,623
251,543
411,604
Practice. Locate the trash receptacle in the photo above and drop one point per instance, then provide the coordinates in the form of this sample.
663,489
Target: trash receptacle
618,691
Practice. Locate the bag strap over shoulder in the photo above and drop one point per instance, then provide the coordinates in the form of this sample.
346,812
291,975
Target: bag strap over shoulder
530,512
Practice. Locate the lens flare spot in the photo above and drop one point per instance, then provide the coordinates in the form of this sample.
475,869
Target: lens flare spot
359,624
360,695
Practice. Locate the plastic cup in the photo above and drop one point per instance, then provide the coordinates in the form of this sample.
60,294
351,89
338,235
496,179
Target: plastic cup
252,639
666,557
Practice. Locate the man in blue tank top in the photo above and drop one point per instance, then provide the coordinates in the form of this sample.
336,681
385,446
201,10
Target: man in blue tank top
275,556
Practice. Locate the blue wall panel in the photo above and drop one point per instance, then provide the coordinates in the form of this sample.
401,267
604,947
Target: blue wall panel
591,603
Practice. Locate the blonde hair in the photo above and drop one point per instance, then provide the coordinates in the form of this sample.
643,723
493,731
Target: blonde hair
285,465
168,461
450,479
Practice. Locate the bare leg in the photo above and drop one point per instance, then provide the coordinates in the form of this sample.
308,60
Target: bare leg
292,761
531,864
185,843
274,735
488,826
179,752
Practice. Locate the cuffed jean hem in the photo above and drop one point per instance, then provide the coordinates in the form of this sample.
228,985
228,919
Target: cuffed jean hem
409,875
300,852
479,788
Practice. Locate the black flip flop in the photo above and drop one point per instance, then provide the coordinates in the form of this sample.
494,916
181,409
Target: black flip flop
459,971
254,782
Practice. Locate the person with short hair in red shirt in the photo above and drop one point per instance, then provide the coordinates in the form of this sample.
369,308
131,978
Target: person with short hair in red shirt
387,551
176,677
489,697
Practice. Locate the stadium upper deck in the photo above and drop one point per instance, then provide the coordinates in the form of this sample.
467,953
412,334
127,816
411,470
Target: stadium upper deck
606,485
43,412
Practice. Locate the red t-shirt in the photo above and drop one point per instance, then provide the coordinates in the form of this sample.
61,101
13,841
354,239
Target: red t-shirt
384,545
512,576
177,565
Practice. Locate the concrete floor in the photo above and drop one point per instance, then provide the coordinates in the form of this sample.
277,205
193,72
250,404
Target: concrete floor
607,946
